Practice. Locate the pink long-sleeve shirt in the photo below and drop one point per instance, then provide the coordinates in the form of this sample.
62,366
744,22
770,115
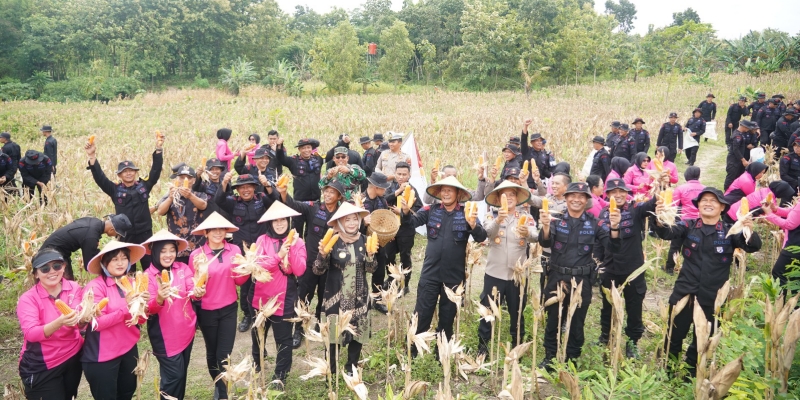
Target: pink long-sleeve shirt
35,309
754,199
279,285
744,182
221,283
635,177
597,205
684,194
171,327
110,338
670,166
224,153
787,219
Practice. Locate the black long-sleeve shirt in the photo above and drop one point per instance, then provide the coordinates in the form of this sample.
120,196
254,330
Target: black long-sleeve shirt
316,216
306,175
82,234
754,107
707,256
245,214
790,169
13,150
670,135
601,164
51,150
767,118
391,199
696,125
33,173
735,114
709,110
7,169
630,256
624,147
544,159
132,201
738,147
782,132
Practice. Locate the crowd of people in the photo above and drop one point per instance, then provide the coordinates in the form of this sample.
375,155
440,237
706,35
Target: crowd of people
591,229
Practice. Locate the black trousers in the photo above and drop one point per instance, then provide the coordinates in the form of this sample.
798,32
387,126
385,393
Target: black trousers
673,152
728,132
510,296
311,283
246,298
576,336
29,190
219,333
681,324
691,154
400,245
353,354
779,269
140,238
380,271
764,139
282,331
113,379
674,248
634,294
428,292
60,382
173,372
733,170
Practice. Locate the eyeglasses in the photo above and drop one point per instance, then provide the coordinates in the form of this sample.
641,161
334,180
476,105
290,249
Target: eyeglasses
55,267
340,157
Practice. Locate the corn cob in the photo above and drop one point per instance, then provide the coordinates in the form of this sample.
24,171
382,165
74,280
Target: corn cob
63,307
164,276
26,246
659,164
769,199
612,204
436,164
185,183
102,304
159,135
33,236
525,165
412,198
203,163
125,284
498,162
534,167
91,140
283,181
142,281
480,159
329,245
407,194
290,236
523,219
744,207
668,197
545,205
176,182
201,280
327,238
504,202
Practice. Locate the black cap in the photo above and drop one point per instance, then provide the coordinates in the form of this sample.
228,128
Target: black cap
796,140
33,157
214,162
245,179
578,187
379,180
772,101
790,112
510,172
616,183
303,142
673,115
46,128
185,170
638,120
624,127
263,151
711,95
514,149
334,184
742,98
536,136
364,139
377,136
599,139
45,256
762,95
748,124
126,165
384,146
716,192
5,135
616,124
698,109
778,96
121,224
514,140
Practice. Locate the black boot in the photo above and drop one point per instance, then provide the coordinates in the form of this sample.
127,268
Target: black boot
381,308
547,363
244,325
602,340
631,350
483,347
297,337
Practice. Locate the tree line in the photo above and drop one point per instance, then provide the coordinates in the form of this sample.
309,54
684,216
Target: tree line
112,46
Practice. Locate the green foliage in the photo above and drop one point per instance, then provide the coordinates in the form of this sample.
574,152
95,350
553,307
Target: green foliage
398,51
91,88
240,74
284,77
336,56
16,91
39,80
682,17
624,12
200,82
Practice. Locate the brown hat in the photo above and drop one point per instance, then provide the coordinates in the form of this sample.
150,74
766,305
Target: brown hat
137,252
214,221
164,236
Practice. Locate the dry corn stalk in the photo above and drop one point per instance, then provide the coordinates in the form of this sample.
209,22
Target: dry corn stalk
397,273
304,316
420,340
447,351
140,370
676,309
250,264
571,384
355,384
320,367
469,365
575,301
235,373
617,315
415,388
456,296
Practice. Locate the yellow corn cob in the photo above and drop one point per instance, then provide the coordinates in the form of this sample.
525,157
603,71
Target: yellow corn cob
523,219
668,197
407,193
176,182
480,159
329,245
498,162
504,202
91,140
185,183
744,207
26,246
201,280
327,238
545,204
33,236
412,198
659,164
525,165
63,307
125,284
612,204
102,304
534,167
290,236
142,281
283,181
203,163
769,198
436,164
164,276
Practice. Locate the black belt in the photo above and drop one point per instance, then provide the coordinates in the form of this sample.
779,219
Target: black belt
575,271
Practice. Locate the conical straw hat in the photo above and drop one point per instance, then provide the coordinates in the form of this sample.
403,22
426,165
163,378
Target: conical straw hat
463,193
137,252
493,198
278,210
346,209
214,221
164,236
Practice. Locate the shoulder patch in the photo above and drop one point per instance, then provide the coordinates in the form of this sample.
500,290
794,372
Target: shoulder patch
426,208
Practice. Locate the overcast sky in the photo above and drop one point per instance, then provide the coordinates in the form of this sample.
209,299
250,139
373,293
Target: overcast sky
731,18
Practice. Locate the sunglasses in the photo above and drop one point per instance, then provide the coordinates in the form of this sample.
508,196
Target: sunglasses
55,267
340,157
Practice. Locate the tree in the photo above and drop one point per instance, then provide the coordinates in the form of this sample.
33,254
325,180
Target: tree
682,17
624,12
398,50
336,56
426,59
240,74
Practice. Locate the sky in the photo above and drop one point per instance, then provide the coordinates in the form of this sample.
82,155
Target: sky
732,18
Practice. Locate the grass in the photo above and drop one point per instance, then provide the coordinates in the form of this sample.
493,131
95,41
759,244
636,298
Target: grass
455,127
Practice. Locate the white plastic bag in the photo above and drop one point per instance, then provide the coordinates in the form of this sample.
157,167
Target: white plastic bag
688,140
757,154
711,130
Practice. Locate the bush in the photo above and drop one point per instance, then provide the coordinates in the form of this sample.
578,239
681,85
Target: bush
16,91
200,82
86,88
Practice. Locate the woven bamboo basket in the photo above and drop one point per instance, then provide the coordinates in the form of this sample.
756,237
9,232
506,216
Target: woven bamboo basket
385,224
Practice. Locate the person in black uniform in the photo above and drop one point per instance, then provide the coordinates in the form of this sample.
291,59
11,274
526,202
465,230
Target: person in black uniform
10,147
132,194
544,159
315,215
671,136
601,163
36,169
782,131
790,166
766,118
374,200
353,158
213,169
738,151
761,101
275,145
511,157
735,114
50,145
625,145
780,105
404,239
306,168
620,264
641,136
7,171
571,239
448,229
368,158
245,209
262,159
611,137
697,127
707,256
84,234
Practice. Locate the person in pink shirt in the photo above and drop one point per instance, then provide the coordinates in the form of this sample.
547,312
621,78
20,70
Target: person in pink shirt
171,318
636,177
745,183
223,152
110,353
286,261
787,218
216,314
252,140
619,166
780,190
596,188
663,153
683,196
49,363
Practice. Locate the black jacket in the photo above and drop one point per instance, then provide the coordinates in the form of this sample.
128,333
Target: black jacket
245,214
735,114
132,201
782,133
696,125
82,234
766,119
629,256
316,217
737,149
601,164
753,109
306,175
391,199
671,136
31,174
790,169
709,110
642,138
51,149
707,256
448,235
624,146
13,150
7,168
544,159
